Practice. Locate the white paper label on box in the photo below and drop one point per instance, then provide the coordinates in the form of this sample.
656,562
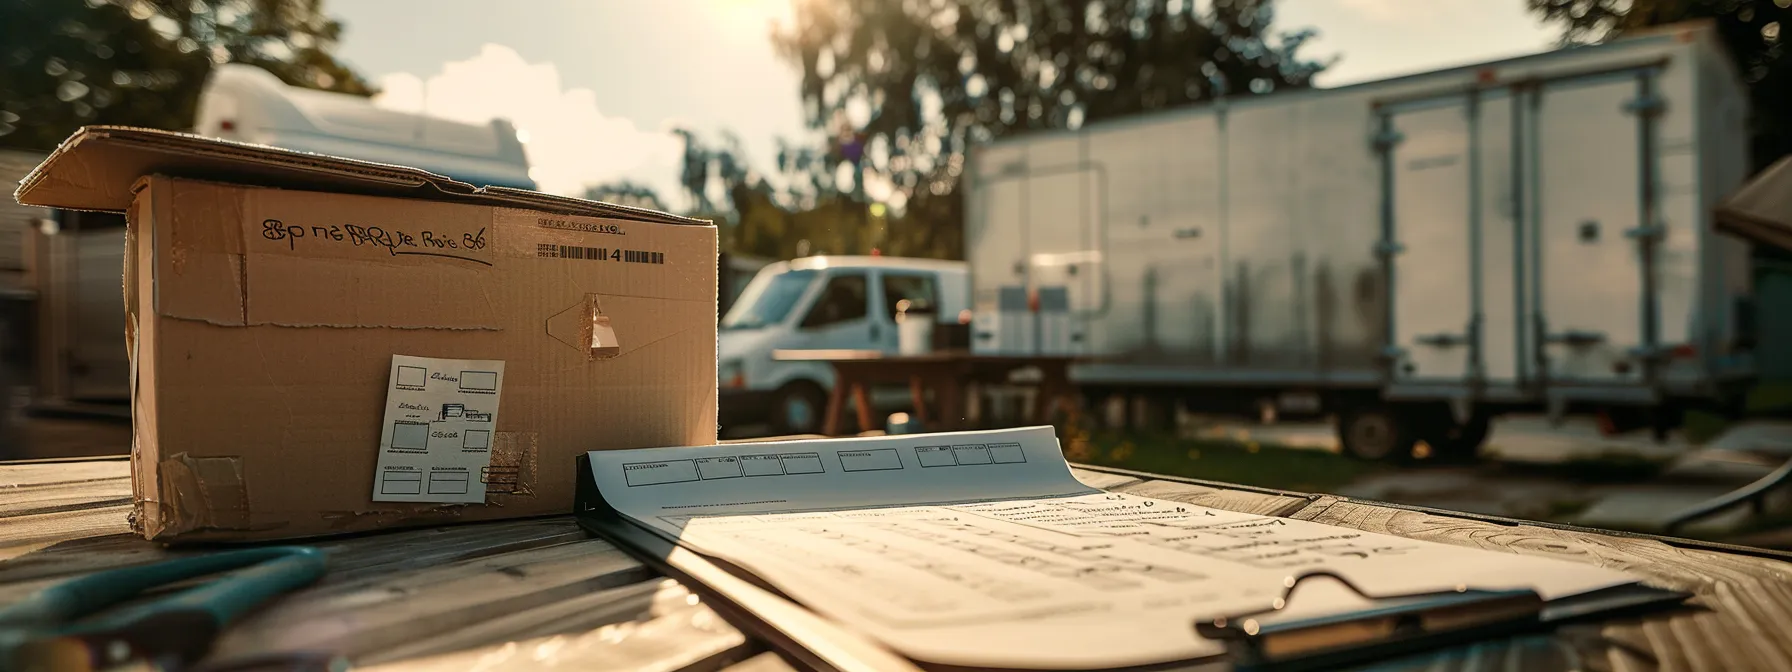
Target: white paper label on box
436,444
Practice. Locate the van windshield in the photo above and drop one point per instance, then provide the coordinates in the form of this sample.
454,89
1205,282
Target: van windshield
768,299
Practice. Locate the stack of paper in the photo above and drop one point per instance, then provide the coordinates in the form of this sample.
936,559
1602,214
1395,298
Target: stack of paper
980,549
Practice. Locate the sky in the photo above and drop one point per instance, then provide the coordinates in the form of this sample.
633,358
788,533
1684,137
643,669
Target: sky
596,86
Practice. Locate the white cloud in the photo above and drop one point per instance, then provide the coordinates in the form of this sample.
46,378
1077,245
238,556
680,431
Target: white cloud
570,142
1396,11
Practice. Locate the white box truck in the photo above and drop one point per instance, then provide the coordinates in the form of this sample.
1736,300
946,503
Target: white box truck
1412,255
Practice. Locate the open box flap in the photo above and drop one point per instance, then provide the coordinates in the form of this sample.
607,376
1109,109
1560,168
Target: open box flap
95,169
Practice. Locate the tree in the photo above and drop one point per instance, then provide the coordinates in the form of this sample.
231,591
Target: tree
1752,32
626,193
904,88
67,63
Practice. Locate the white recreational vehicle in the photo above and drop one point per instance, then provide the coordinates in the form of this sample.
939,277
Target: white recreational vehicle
249,104
1412,255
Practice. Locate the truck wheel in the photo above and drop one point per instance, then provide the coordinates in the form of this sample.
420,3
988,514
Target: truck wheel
1374,433
1452,442
798,409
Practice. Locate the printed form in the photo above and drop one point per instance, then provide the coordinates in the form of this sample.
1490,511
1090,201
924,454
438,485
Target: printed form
436,444
981,549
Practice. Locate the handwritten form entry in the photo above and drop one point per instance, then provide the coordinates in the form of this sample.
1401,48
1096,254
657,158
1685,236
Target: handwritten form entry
981,549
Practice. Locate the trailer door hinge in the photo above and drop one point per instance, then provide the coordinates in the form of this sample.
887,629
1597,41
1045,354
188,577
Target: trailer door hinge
1387,139
1389,248
1647,105
1392,353
1651,233
1443,340
1575,338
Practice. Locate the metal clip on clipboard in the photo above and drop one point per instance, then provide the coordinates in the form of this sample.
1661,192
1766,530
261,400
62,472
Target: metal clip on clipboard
1397,624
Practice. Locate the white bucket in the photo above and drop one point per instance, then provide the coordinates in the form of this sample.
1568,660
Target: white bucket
914,335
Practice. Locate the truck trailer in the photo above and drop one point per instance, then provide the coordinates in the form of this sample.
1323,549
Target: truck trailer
1412,256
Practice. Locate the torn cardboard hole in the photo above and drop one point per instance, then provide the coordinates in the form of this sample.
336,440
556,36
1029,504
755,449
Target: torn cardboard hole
585,327
513,467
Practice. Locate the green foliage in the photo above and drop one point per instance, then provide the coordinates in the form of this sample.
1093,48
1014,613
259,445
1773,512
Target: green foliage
67,63
1264,466
905,88
626,193
1753,31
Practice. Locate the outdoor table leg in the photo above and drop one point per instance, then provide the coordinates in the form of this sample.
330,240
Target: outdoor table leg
951,400
863,401
917,393
1054,390
830,425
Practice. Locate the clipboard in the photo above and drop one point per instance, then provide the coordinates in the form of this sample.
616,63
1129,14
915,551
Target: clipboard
1404,624
1396,626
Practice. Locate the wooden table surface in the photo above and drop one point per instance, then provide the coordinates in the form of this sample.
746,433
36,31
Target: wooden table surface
539,593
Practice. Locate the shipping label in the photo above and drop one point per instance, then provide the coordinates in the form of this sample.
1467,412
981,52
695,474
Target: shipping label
436,443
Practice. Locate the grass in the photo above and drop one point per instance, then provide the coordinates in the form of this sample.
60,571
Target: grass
1700,427
1768,398
1243,463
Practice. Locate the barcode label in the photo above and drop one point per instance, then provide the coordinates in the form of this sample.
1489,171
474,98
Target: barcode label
551,250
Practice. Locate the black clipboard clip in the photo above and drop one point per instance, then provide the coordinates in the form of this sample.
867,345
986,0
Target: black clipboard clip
1396,624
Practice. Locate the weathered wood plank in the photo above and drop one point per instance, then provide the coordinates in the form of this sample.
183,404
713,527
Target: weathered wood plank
23,534
25,474
1742,604
764,662
575,615
1217,498
350,557
357,617
1315,508
685,636
53,497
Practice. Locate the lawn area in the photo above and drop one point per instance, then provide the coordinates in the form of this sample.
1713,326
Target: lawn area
1243,463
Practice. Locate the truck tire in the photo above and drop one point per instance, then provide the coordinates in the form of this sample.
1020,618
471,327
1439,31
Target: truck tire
1375,433
798,408
1451,441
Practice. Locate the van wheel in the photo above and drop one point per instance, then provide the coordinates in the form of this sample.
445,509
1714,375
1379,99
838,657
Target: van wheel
798,409
1375,433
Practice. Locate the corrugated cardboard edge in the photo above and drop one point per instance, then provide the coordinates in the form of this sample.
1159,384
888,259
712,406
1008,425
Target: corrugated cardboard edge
113,157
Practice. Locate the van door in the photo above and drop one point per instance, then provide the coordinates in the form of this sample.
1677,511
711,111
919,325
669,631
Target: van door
840,316
919,288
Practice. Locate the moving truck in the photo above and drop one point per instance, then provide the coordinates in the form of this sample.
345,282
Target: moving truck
1411,256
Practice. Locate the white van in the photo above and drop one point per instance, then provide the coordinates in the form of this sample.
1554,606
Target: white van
820,303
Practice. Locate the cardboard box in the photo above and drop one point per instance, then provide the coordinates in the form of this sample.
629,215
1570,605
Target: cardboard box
268,291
